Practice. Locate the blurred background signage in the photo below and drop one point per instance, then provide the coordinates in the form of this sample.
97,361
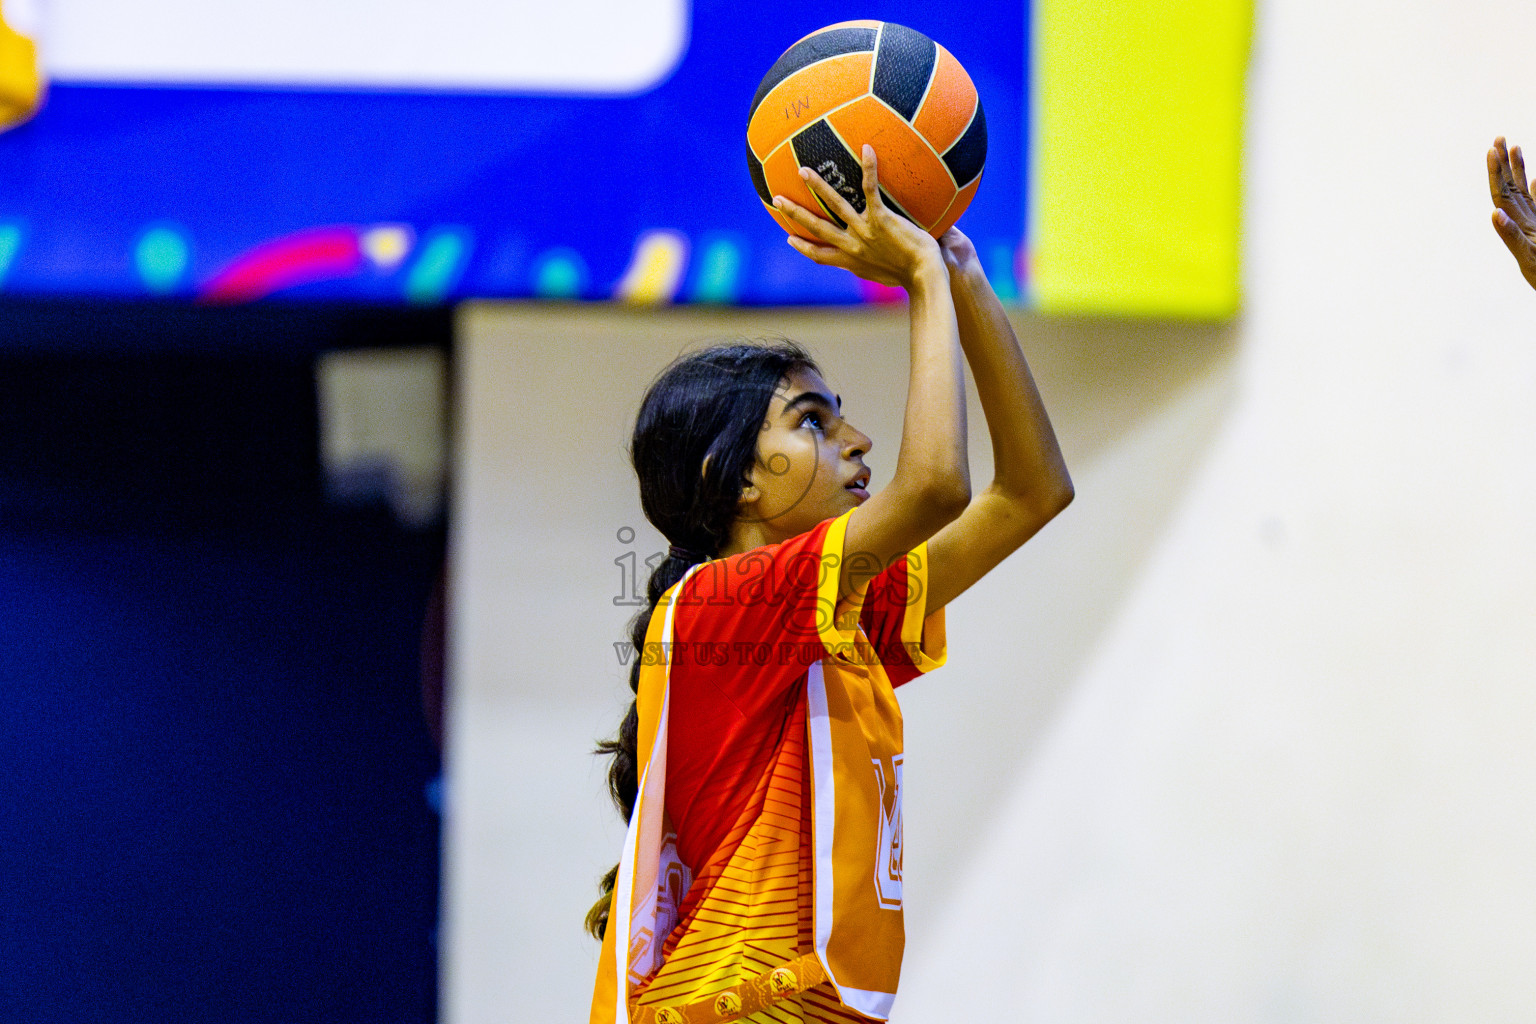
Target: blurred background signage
404,153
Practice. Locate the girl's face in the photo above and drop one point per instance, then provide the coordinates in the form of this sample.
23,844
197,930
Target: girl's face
810,461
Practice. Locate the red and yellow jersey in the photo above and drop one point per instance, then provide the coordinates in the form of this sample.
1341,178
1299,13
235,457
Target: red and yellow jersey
761,875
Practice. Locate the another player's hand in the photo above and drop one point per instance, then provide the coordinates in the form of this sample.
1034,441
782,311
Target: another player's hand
1514,214
878,244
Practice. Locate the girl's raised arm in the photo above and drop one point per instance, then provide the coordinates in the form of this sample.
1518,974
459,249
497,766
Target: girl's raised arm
930,483
1030,485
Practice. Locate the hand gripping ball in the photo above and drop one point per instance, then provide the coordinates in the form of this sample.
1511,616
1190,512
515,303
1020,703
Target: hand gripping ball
873,82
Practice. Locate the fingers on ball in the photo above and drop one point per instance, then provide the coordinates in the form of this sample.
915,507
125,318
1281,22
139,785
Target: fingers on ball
832,200
810,225
871,174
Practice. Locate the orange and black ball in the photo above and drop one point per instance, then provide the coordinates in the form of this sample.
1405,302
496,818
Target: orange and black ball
872,82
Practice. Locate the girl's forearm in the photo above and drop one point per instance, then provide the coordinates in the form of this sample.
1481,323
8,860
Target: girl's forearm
1026,457
933,460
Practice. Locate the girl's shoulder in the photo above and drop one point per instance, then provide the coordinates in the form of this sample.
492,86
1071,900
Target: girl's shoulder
794,563
768,594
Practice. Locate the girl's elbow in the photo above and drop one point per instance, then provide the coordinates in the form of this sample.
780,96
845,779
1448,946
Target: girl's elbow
1031,508
1053,500
946,499
1061,497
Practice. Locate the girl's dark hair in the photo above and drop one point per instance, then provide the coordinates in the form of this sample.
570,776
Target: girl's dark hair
695,441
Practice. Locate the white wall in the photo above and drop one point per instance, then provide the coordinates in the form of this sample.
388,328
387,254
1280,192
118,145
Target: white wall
1249,734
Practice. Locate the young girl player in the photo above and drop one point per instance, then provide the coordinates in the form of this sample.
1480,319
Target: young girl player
761,765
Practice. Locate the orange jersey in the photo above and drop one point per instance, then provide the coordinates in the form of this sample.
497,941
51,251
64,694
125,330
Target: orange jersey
761,875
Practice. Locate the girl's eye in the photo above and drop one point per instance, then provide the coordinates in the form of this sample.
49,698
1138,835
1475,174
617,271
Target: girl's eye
813,420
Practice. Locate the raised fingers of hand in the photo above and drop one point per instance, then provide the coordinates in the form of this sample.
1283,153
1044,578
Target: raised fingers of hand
835,202
871,167
1507,185
819,253
1517,241
1514,215
1519,245
823,230
831,256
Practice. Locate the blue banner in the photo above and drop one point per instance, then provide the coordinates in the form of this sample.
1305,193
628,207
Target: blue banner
239,194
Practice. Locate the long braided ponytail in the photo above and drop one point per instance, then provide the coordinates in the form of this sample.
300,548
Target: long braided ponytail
695,440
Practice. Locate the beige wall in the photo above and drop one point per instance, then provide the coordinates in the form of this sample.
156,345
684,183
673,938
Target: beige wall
1247,734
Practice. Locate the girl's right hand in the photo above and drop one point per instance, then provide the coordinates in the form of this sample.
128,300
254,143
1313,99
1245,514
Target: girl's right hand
879,244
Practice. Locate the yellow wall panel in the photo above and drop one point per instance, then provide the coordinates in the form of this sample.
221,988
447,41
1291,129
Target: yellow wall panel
1137,187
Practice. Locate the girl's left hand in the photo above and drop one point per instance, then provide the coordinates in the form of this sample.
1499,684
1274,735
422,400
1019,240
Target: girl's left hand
959,252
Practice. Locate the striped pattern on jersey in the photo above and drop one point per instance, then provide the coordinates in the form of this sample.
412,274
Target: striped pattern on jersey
749,910
796,914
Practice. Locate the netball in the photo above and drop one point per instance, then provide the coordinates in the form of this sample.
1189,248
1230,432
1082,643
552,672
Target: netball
872,82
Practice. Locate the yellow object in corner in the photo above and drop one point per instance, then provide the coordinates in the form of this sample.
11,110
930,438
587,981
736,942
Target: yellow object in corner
21,84
1137,156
